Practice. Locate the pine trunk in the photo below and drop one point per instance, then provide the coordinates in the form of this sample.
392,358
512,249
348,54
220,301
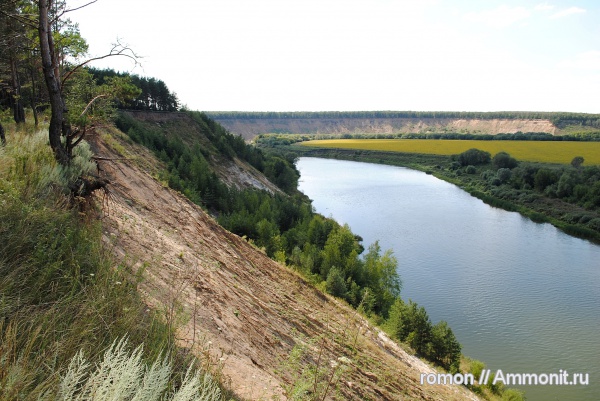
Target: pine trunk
57,104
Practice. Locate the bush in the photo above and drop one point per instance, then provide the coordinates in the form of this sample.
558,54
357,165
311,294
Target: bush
511,394
335,284
474,157
122,375
503,174
594,224
470,169
503,160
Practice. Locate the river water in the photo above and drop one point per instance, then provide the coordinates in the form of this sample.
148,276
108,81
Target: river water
523,297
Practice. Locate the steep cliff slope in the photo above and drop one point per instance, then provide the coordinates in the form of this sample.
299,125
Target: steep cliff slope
242,312
249,127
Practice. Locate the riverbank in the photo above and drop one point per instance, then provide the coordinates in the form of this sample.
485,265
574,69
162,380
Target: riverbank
525,288
531,204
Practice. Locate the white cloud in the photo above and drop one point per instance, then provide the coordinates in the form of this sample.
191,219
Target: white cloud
568,11
589,60
500,17
544,7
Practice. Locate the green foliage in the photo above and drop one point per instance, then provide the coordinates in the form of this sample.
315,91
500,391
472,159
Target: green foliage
381,272
544,178
321,378
503,160
445,349
503,175
511,394
60,290
410,323
89,101
152,94
474,157
335,284
577,161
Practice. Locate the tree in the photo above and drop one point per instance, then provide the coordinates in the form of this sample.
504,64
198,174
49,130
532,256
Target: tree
58,123
445,348
2,137
577,161
503,174
381,272
543,178
503,160
56,58
474,157
335,284
418,326
11,43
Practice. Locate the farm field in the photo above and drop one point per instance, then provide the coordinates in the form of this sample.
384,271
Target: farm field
534,151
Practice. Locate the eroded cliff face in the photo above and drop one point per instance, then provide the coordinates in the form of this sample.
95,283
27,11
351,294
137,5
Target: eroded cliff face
249,128
240,311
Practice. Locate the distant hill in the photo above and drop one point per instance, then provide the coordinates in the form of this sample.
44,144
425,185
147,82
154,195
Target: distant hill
251,124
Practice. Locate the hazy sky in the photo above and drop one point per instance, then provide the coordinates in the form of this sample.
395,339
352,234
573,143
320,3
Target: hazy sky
305,55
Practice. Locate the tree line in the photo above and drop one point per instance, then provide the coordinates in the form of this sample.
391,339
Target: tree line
154,93
559,119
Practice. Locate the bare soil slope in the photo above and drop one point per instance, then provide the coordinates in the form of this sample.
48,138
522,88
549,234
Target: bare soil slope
234,172
234,304
249,128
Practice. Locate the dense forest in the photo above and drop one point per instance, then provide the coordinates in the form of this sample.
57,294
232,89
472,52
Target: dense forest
557,118
154,93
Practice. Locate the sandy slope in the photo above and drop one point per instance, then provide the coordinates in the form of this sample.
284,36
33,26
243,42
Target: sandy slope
249,128
235,304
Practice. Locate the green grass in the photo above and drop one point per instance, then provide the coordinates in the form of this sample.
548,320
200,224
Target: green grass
534,151
61,292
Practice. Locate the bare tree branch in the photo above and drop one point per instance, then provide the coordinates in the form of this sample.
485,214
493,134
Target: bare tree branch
59,16
90,103
80,7
117,50
32,23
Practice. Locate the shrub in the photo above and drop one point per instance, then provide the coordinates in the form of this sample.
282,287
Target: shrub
122,375
594,224
503,174
335,284
503,160
474,157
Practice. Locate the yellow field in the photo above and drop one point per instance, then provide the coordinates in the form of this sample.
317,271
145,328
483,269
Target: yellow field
535,151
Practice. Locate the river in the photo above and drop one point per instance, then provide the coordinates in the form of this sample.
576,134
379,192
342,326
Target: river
523,297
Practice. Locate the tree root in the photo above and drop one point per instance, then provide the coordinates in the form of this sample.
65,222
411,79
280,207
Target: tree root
83,187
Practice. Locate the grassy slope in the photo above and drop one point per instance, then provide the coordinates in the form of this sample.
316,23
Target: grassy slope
61,290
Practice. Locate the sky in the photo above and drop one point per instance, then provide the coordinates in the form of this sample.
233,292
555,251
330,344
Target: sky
340,55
